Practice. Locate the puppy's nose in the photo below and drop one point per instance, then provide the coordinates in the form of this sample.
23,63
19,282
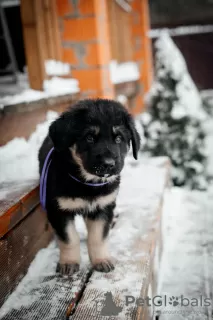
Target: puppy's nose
108,163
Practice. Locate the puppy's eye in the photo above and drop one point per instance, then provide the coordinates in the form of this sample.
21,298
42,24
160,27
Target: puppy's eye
90,138
118,139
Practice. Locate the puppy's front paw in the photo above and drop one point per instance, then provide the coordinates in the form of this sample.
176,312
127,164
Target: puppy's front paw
67,269
105,265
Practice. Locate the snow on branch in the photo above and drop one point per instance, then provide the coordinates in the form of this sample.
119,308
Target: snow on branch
181,31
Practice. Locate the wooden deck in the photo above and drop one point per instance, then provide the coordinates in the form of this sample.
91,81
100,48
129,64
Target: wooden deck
137,252
21,119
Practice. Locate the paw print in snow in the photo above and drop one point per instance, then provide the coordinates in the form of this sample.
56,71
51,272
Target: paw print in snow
174,301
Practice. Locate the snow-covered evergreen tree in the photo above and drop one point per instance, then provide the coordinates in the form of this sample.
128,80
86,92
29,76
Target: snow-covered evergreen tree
174,117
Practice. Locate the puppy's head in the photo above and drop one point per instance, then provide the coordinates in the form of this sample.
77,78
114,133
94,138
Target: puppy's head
98,134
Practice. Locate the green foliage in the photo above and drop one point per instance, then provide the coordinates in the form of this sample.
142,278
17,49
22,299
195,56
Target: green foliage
179,136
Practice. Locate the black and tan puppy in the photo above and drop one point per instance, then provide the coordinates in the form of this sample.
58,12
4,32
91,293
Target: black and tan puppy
90,142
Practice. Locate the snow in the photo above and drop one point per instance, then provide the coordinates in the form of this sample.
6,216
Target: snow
54,87
59,86
121,239
123,72
187,259
18,158
122,99
209,144
189,97
181,31
56,68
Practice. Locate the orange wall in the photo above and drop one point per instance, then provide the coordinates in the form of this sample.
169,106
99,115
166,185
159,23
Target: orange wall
86,45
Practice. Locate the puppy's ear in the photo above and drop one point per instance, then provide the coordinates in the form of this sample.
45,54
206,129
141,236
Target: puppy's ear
60,133
135,138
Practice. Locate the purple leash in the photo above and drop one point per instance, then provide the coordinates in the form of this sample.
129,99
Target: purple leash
43,180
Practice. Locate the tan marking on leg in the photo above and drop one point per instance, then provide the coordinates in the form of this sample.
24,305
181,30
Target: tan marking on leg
70,251
97,246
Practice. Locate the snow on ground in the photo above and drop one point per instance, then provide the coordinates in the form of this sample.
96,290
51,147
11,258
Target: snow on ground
181,31
18,158
123,72
187,262
121,239
52,88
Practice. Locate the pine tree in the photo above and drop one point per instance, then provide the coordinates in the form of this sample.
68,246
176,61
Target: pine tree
173,122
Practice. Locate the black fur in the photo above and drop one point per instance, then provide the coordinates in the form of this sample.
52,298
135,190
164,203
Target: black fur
100,154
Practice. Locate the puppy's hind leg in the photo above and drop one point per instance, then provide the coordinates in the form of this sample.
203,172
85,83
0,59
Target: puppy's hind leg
97,244
69,251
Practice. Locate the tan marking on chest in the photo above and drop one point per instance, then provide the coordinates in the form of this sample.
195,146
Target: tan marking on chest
72,204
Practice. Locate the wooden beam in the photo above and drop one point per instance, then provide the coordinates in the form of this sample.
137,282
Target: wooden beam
49,32
55,28
32,14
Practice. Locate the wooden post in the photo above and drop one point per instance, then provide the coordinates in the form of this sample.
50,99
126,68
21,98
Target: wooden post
142,49
51,30
55,28
148,71
32,14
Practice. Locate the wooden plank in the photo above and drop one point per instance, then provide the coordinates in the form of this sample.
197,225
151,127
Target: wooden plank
21,120
52,33
35,45
120,31
134,274
17,199
55,28
52,297
18,249
49,32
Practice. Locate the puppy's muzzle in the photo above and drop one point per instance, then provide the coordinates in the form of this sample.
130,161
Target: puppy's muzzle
106,166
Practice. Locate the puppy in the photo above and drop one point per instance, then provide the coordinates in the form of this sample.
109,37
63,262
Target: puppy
90,143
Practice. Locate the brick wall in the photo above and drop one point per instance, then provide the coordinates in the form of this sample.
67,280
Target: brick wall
86,45
84,29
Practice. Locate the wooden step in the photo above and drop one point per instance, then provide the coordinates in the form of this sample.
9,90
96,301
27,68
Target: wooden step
21,119
23,232
84,295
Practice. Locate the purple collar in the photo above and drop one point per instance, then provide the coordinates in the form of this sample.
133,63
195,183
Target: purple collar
43,179
89,184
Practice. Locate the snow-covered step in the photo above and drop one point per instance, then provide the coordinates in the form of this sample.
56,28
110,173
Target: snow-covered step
187,261
23,232
135,243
